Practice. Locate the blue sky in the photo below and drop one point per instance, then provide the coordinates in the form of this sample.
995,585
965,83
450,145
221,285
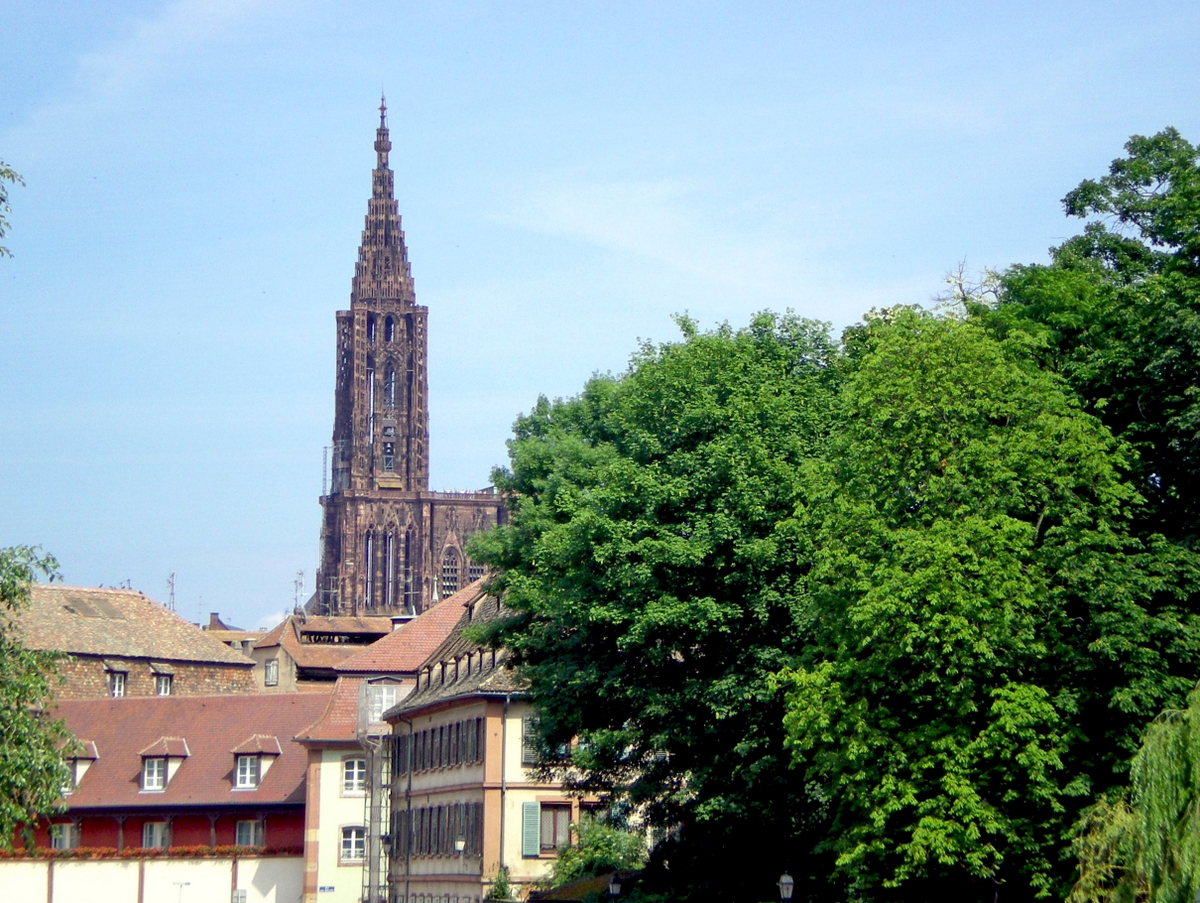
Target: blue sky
570,175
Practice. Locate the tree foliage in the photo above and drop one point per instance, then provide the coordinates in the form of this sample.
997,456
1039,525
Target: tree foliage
652,556
31,745
6,175
1144,845
946,569
990,637
1117,313
600,846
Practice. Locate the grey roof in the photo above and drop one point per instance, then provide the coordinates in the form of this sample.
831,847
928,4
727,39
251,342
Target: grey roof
461,669
116,623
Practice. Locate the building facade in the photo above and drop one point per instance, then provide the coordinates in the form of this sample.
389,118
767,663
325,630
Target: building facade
388,544
468,798
121,643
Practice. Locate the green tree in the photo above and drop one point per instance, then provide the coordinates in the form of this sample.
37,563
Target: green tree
989,636
600,846
1144,845
32,772
6,175
1117,313
655,566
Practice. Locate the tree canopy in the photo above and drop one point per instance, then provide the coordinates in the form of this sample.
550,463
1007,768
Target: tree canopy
652,554
32,772
989,637
890,612
1117,313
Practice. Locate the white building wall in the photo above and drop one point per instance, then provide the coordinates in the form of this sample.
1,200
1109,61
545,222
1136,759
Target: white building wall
338,809
274,879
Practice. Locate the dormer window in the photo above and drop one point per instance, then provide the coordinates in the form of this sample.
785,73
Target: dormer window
78,765
160,761
248,768
116,684
154,774
162,684
252,758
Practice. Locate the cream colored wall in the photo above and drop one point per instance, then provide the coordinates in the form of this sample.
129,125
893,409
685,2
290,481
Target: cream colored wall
337,810
470,877
266,880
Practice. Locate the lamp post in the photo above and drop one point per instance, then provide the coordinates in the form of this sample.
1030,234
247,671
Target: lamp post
181,885
786,885
614,886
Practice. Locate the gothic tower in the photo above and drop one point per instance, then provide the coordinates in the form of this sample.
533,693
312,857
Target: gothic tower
388,544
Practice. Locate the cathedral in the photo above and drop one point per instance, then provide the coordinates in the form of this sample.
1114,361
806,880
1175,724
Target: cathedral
389,546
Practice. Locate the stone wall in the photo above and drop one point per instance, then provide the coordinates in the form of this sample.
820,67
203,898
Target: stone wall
87,677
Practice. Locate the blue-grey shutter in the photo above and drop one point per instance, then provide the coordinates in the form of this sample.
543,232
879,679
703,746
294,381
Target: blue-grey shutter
530,833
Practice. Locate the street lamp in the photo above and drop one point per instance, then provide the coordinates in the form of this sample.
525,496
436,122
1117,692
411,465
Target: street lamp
181,885
614,885
786,885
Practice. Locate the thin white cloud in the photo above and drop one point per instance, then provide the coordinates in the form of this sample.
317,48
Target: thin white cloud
115,74
665,221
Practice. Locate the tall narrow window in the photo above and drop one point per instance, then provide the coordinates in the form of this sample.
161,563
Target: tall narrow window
389,568
449,573
371,405
389,388
369,568
116,683
370,330
389,330
271,673
407,570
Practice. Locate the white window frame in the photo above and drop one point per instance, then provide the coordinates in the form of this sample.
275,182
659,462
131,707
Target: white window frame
354,842
116,684
354,776
380,698
154,835
64,836
154,774
271,673
256,830
247,772
163,684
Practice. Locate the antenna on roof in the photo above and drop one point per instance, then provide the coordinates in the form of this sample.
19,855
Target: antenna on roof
171,591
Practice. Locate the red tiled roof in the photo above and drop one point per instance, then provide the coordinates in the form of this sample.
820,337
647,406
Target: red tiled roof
115,622
266,744
167,746
406,648
87,750
339,721
212,727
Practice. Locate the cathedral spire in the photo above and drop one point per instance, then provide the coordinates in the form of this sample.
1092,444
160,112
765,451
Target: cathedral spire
382,272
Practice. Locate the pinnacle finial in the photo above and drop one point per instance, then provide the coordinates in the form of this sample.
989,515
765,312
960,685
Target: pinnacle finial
382,110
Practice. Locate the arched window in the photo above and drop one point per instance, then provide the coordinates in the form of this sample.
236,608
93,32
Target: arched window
370,329
449,573
389,568
389,330
389,388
